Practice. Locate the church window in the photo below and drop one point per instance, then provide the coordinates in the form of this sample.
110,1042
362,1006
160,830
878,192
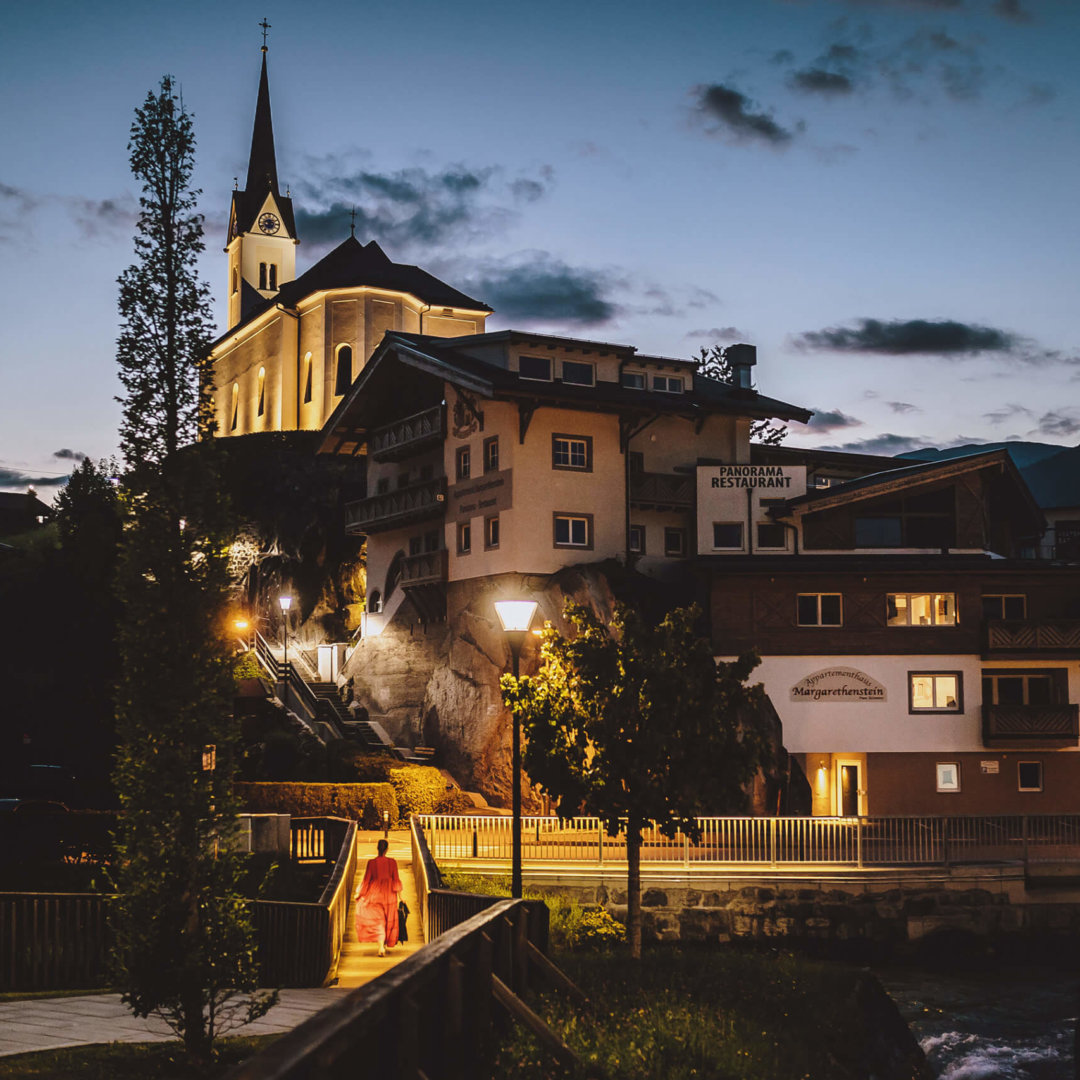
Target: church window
234,408
307,378
235,280
262,391
344,369
272,268
262,276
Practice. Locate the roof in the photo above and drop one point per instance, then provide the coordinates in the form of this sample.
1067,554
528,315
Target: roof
23,501
355,265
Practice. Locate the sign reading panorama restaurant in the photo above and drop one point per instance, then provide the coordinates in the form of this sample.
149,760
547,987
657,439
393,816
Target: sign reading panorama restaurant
755,476
838,684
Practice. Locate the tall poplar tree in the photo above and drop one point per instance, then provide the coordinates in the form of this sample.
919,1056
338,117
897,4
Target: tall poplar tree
184,941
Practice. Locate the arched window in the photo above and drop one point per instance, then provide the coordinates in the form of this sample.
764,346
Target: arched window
344,369
393,574
273,275
375,601
262,276
235,279
307,378
234,408
262,391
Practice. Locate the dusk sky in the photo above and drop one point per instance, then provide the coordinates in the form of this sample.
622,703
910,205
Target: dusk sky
882,195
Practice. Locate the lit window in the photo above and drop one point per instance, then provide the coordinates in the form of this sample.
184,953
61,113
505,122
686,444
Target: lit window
578,374
1029,775
464,538
934,691
637,539
491,532
573,530
675,542
771,535
948,775
307,378
262,276
920,609
343,378
463,462
727,535
534,367
235,407
262,391
668,384
1005,606
491,454
633,380
819,609
571,452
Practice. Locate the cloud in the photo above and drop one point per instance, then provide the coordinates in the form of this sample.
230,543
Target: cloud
825,420
1011,9
818,81
887,443
730,112
92,217
1006,412
718,334
913,336
541,288
10,477
903,407
69,455
412,207
1059,422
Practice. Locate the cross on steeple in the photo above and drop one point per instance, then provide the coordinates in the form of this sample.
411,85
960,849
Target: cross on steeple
352,225
265,26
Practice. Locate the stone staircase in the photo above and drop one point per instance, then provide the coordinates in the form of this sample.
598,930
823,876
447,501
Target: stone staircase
359,731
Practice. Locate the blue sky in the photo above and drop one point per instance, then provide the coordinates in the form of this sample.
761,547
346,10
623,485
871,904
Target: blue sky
879,194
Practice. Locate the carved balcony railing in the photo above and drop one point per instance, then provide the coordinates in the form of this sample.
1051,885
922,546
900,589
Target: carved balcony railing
661,491
1030,725
418,502
428,568
1033,637
407,437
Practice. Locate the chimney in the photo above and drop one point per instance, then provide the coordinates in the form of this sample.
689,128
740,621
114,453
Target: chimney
742,358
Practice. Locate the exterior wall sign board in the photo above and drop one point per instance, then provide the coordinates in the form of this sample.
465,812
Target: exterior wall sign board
836,685
485,495
990,767
740,496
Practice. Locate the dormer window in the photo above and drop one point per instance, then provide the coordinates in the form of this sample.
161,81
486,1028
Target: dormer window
667,384
578,374
633,380
535,367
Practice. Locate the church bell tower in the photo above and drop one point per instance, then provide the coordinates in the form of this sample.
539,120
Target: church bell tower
262,231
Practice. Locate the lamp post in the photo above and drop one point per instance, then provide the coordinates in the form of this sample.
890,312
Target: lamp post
515,616
285,603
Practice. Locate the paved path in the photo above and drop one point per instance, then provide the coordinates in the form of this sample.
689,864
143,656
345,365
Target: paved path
51,1023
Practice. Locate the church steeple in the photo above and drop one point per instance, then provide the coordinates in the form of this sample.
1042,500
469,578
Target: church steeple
262,231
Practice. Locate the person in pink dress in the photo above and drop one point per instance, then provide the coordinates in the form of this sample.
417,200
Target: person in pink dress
376,909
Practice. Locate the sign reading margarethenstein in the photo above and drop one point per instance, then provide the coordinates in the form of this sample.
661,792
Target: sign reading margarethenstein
488,495
752,476
838,684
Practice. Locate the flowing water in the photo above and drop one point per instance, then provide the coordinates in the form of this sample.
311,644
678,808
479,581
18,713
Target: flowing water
1014,1024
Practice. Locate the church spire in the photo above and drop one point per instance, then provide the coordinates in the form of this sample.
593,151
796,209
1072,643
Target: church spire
262,163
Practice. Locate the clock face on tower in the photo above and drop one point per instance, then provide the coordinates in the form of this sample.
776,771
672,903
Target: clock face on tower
269,223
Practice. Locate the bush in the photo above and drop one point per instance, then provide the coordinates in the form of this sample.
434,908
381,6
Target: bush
247,666
319,800
349,764
422,789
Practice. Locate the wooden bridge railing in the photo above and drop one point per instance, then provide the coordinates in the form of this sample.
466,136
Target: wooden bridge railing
430,1016
463,840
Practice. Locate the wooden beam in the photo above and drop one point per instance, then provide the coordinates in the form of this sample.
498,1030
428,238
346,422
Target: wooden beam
536,1024
557,977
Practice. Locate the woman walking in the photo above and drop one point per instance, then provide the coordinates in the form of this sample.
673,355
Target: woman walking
376,909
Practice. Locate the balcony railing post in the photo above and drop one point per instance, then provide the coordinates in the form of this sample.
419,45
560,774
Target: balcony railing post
858,842
686,850
772,842
945,832
1024,826
600,843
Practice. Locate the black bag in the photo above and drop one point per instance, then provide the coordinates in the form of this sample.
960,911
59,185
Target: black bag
402,921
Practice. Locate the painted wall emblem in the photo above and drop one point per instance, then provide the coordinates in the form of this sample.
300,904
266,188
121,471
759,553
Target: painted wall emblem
838,684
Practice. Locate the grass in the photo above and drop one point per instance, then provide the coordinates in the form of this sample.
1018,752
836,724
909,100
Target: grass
128,1061
707,1012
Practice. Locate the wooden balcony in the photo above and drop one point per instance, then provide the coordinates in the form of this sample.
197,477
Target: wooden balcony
428,568
407,437
661,491
1022,638
407,505
1036,726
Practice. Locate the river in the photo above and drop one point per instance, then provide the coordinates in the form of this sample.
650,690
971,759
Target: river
1014,1024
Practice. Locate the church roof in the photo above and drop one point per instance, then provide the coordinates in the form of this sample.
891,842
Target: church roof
353,265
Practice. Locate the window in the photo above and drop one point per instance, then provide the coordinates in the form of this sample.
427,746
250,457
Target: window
633,380
307,378
235,280
573,530
669,384
1004,606
464,538
262,276
491,532
534,367
771,535
416,545
273,275
1029,775
578,374
431,540
382,485
261,391
727,534
675,542
920,609
1006,687
948,775
819,609
491,454
927,520
934,691
234,409
637,539
463,462
636,462
344,370
571,452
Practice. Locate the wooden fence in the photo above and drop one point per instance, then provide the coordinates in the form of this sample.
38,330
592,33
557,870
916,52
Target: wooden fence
463,840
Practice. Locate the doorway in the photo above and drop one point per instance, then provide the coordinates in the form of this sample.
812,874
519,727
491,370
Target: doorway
849,788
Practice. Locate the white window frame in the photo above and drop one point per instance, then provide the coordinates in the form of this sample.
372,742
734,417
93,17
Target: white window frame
536,378
819,624
571,519
933,610
935,709
578,364
1042,776
948,777
668,384
741,546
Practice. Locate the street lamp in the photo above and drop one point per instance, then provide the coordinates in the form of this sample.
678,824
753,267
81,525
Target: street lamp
285,602
516,617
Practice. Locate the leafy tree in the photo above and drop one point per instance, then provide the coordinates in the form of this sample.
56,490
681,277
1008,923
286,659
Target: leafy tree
637,723
184,942
713,363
